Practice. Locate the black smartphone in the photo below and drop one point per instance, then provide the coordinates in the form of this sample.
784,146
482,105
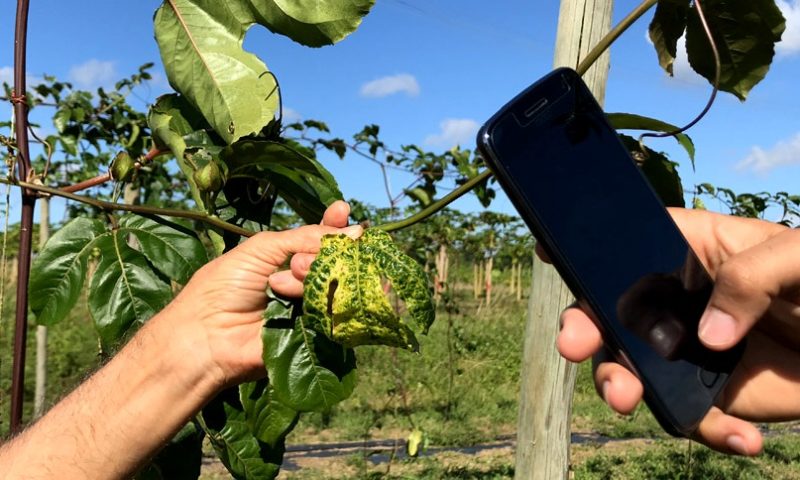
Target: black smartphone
611,240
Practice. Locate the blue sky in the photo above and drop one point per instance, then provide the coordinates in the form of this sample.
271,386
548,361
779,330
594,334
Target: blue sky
430,71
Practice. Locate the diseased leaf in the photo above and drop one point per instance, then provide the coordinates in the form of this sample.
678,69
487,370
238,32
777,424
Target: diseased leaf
660,172
308,371
344,297
201,48
668,25
745,33
629,121
176,253
242,454
124,292
58,272
268,419
300,180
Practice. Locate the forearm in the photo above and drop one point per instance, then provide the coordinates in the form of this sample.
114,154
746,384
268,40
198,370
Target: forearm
109,426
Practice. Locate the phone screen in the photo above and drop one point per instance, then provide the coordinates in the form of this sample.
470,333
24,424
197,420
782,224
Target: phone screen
612,240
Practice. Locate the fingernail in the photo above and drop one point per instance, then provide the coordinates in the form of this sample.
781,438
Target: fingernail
604,388
717,327
737,444
353,231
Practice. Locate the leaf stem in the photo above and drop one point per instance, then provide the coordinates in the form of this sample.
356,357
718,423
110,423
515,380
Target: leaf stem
436,206
138,209
612,35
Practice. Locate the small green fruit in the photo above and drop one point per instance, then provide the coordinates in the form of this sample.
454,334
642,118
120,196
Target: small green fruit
123,168
209,178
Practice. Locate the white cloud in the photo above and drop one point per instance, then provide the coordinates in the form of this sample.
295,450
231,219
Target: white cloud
454,131
7,76
785,152
681,69
385,86
93,73
790,41
291,115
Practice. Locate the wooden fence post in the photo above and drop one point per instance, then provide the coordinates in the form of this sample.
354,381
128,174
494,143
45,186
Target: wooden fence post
548,381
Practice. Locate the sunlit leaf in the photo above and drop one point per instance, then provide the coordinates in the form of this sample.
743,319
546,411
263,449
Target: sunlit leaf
344,296
59,270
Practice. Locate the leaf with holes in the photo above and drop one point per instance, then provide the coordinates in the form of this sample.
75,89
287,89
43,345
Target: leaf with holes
344,296
59,271
124,292
308,371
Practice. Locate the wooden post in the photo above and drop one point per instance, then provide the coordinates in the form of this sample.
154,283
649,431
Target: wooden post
547,380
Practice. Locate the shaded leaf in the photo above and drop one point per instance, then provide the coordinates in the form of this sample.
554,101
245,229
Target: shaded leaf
300,180
344,296
269,420
242,454
124,292
180,459
308,371
660,172
176,253
668,25
629,121
59,270
745,34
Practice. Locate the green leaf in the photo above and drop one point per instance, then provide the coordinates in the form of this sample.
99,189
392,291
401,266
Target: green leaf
312,22
745,33
269,419
124,292
302,181
175,253
668,25
181,459
307,371
420,195
660,172
344,296
242,454
629,121
59,270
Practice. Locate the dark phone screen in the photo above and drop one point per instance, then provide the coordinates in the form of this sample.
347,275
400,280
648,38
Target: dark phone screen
584,197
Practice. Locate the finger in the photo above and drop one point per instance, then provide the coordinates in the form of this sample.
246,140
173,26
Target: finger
274,248
300,265
579,338
746,285
729,434
285,284
336,214
620,388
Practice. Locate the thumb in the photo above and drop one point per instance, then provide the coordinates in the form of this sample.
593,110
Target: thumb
745,286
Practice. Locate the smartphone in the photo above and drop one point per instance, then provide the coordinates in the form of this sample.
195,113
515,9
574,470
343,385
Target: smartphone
612,241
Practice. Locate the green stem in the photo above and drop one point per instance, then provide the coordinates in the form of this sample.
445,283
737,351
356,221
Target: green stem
138,209
436,206
612,35
585,64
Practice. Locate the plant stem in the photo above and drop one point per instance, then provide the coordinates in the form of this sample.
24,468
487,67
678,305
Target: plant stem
138,209
106,177
585,64
26,220
612,35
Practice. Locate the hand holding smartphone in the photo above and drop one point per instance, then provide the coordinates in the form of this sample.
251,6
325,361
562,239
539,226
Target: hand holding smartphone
611,239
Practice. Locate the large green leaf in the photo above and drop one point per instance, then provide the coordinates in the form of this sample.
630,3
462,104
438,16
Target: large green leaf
180,459
344,294
300,180
629,121
312,22
660,172
201,48
58,272
668,25
176,253
308,371
745,33
124,292
245,457
269,419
